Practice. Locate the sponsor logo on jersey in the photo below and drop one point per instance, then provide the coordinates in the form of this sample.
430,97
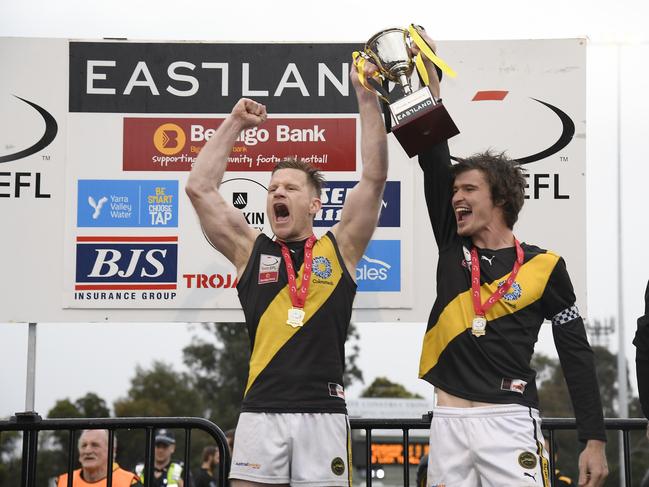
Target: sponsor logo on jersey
514,385
268,268
338,466
379,270
127,203
515,292
527,460
322,267
336,390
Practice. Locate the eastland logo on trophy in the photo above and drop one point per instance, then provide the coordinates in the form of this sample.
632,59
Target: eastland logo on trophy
418,120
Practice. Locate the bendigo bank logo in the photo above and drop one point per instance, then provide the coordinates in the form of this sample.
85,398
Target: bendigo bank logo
379,270
169,139
126,263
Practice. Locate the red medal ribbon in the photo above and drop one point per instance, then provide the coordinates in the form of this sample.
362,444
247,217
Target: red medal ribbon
480,308
298,297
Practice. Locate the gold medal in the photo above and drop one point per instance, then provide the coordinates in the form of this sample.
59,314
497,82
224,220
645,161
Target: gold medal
295,317
479,326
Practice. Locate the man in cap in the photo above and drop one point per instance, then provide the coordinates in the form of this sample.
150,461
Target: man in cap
93,457
165,471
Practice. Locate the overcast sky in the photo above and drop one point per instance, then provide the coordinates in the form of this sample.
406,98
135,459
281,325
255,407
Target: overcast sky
608,26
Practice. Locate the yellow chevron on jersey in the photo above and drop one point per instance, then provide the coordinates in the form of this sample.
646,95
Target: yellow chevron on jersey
273,332
458,315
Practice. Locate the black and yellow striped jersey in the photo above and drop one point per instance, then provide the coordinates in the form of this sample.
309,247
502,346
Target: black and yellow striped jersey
495,368
296,370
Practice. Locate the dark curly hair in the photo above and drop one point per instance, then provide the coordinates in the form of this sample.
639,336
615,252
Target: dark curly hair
313,176
505,178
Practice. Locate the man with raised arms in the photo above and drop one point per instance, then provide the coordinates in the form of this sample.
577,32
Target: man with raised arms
296,292
493,294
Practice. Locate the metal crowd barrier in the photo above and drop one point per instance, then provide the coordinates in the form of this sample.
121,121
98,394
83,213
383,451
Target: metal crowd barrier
31,424
547,424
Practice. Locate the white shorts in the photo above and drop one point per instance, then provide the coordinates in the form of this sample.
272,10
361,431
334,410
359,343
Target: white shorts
492,446
305,449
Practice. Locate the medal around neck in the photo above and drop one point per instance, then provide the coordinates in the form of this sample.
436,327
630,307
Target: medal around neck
295,317
479,326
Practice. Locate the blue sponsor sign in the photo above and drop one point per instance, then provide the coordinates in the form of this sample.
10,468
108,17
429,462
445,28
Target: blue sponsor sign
127,203
379,270
333,198
142,261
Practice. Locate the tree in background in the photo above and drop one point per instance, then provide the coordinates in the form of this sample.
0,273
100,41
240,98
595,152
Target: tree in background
158,391
555,403
384,387
9,465
219,366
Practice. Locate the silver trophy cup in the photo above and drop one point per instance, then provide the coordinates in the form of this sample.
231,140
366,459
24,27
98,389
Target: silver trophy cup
418,120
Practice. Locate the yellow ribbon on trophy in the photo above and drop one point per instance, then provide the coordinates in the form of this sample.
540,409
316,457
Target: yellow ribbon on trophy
426,50
359,60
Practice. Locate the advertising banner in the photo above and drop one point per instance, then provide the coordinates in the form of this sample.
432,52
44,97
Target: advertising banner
97,151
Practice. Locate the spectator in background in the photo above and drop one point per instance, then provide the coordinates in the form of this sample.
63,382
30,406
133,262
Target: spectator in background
229,435
207,475
641,342
560,480
93,457
166,473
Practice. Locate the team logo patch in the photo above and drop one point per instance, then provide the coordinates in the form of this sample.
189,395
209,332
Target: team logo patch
515,292
527,460
268,268
514,385
336,390
322,267
338,466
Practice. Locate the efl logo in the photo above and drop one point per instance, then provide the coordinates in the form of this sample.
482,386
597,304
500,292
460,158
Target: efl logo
127,203
126,263
379,270
333,198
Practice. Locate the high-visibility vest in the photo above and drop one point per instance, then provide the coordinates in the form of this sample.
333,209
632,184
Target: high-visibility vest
121,478
174,473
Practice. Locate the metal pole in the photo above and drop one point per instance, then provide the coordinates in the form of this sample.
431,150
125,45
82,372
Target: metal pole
31,368
621,351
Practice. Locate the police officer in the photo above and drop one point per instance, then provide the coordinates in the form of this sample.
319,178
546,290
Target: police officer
166,473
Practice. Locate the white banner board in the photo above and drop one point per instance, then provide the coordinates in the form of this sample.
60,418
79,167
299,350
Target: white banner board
98,139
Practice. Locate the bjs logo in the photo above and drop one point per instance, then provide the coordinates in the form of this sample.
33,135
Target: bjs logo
127,262
379,270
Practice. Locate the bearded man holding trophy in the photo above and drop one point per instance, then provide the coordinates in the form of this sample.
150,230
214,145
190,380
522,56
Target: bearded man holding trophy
480,337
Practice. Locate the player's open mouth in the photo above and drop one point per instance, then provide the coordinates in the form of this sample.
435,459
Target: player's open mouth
462,213
281,212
